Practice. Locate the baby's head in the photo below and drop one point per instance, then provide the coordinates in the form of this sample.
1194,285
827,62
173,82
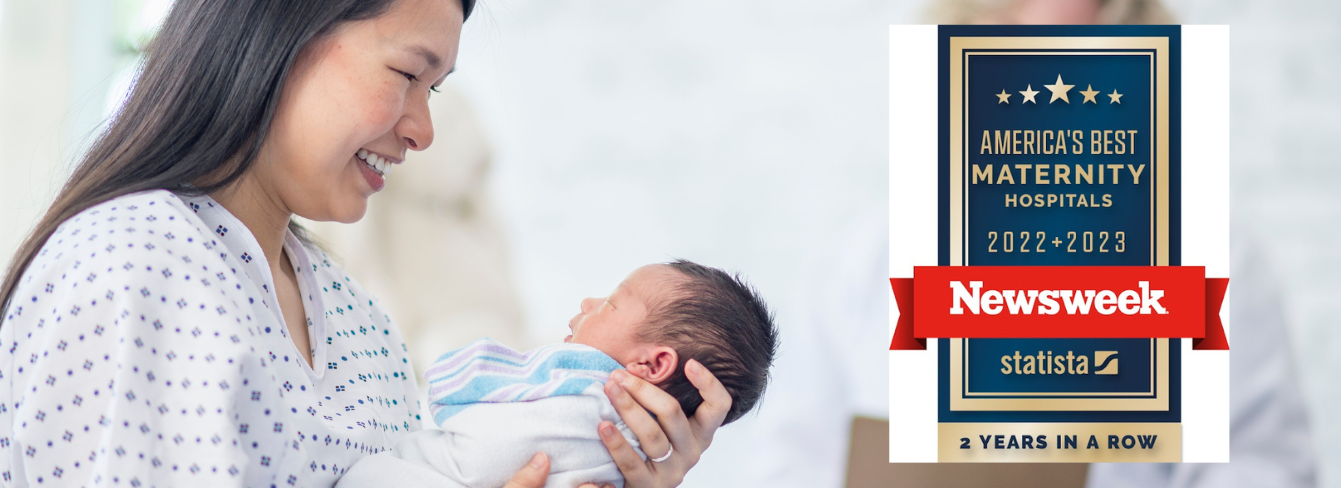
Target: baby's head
663,315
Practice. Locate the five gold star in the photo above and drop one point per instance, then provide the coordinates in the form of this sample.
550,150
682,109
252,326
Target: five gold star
1089,93
1028,94
1059,90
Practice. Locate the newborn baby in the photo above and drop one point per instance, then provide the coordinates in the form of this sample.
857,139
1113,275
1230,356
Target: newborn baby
497,407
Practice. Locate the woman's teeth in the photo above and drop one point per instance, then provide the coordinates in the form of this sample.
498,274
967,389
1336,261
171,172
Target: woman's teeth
379,164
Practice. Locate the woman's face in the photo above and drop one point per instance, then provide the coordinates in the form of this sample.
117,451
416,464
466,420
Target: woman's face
362,90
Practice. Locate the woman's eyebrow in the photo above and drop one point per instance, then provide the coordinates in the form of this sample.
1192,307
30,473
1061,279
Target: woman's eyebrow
434,62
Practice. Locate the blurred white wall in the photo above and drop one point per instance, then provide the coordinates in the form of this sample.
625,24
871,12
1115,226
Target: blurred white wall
633,132
64,65
55,59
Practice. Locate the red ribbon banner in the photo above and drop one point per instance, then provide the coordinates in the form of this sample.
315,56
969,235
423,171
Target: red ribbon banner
1104,302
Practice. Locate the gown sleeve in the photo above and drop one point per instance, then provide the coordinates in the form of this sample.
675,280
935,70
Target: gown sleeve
129,362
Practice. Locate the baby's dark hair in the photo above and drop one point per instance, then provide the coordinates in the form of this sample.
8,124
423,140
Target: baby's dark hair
718,320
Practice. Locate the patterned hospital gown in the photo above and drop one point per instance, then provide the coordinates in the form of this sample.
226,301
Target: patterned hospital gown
144,348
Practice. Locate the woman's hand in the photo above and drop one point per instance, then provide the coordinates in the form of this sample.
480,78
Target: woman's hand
533,474
633,397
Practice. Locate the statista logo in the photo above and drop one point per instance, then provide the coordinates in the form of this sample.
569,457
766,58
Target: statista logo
1045,362
1105,362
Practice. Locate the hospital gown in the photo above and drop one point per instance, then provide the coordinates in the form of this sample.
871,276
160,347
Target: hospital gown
144,347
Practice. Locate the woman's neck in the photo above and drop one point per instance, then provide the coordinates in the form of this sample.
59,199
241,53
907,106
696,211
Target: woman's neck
264,215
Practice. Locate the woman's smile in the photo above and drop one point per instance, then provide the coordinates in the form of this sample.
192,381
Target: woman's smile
375,168
374,179
382,164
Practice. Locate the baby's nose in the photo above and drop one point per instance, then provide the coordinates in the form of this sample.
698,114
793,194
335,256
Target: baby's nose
588,304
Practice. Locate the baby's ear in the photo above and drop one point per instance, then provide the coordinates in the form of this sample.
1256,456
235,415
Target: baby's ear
654,363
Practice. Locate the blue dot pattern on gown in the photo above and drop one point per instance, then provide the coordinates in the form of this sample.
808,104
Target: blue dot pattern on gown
141,349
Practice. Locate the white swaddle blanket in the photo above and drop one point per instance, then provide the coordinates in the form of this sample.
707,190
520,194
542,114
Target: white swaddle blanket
498,407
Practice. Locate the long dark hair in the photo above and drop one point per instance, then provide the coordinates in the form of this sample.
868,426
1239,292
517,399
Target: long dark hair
201,107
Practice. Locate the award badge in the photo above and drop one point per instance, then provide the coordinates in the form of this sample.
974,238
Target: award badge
1060,302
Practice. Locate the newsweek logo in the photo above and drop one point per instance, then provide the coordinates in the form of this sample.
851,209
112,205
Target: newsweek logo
1139,301
1056,301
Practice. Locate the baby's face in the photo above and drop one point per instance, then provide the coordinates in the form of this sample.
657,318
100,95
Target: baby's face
610,323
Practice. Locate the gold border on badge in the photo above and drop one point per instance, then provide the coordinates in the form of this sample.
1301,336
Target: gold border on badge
1159,209
959,401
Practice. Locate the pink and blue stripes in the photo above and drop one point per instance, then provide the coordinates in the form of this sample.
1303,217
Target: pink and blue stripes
487,371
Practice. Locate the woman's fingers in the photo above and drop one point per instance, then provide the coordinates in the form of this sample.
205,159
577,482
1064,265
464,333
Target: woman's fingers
533,474
716,401
670,418
633,398
635,470
651,436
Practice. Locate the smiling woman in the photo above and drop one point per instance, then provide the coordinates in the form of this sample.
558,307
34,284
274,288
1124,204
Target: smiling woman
356,101
167,324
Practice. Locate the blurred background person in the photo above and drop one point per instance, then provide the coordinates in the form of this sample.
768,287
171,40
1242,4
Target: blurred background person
1269,439
1048,12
